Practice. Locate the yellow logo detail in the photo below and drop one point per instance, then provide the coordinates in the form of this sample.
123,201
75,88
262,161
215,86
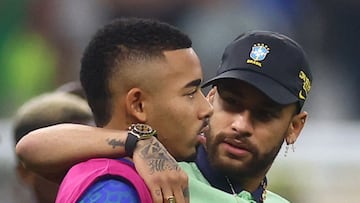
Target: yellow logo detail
301,96
306,85
254,62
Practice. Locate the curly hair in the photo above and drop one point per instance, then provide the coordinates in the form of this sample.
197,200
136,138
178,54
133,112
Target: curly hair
122,39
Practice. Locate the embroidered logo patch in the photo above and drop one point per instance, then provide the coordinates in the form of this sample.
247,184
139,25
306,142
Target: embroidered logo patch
258,53
306,86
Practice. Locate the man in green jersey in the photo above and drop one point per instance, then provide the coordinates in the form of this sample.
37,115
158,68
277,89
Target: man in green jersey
257,96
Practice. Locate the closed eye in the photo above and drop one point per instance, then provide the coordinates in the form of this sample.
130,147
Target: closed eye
192,93
193,87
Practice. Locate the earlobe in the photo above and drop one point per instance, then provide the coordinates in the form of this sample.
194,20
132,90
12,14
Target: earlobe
296,127
135,104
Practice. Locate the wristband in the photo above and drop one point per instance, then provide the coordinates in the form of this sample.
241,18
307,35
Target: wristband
130,144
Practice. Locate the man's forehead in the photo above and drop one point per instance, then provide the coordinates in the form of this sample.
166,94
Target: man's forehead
182,66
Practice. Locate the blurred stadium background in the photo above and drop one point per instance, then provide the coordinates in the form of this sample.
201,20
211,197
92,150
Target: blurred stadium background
41,42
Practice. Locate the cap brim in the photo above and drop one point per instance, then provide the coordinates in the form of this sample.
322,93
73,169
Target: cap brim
265,84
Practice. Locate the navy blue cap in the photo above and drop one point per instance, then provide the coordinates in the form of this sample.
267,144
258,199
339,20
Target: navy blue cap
272,62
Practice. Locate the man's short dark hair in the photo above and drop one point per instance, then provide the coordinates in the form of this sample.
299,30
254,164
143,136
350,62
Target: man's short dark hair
125,39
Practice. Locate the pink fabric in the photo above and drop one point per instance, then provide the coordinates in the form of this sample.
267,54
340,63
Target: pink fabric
82,175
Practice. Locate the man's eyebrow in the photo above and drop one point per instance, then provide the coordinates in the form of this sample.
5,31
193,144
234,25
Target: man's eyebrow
194,83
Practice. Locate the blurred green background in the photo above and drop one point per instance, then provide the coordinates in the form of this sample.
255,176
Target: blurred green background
41,42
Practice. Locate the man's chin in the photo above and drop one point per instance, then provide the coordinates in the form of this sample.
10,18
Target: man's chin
190,158
229,166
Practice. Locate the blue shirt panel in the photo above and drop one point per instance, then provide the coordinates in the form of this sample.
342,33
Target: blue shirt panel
110,190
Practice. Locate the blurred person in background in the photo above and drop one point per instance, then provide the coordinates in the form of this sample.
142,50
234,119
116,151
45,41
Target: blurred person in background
257,95
41,111
72,87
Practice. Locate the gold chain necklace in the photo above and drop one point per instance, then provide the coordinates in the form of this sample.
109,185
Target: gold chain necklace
263,185
232,188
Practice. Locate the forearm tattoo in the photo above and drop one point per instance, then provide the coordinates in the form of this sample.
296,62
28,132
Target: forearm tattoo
115,143
158,157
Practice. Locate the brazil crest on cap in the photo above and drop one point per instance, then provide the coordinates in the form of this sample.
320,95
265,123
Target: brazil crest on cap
258,53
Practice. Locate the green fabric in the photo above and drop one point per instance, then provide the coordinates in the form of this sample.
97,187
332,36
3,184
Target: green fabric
201,190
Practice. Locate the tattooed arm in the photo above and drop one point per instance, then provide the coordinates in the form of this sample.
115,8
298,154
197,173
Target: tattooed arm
53,150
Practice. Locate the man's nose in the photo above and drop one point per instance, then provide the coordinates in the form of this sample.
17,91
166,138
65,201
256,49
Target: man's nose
206,109
242,123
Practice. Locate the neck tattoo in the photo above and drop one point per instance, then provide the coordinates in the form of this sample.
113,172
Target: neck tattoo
263,185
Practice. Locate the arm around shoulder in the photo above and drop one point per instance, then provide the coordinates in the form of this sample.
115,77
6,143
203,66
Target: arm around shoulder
51,151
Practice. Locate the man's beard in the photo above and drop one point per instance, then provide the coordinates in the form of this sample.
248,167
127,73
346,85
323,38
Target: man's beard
258,164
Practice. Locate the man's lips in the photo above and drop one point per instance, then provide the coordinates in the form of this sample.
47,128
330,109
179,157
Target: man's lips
235,147
201,135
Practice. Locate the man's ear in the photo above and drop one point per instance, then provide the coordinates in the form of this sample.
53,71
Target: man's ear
210,96
296,127
135,104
